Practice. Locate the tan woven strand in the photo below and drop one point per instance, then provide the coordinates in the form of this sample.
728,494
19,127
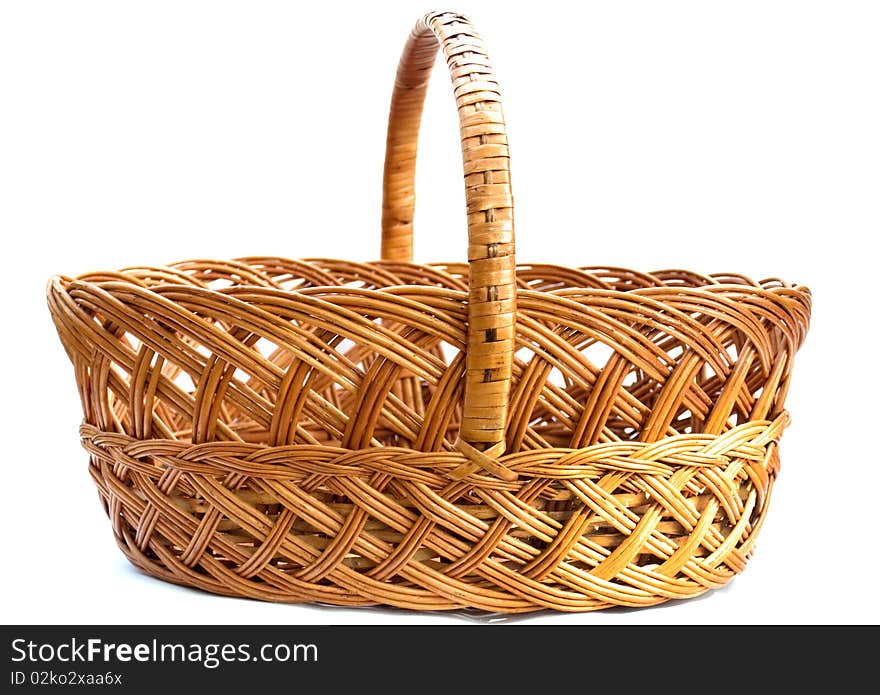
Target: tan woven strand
320,430
491,297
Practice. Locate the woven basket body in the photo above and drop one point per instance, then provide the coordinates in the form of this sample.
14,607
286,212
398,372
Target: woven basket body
484,435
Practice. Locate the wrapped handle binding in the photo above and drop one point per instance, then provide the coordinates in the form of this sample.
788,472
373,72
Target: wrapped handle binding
492,288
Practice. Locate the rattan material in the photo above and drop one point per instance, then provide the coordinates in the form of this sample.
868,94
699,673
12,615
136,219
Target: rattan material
434,437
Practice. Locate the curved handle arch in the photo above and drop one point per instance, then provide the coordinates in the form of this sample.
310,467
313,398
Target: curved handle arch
491,262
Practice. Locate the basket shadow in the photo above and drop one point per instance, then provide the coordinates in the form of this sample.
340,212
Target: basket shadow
465,614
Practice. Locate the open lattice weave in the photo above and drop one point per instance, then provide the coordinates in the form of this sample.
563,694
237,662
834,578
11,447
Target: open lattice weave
437,436
643,424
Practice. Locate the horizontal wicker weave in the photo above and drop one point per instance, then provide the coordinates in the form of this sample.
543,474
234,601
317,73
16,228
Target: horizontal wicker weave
485,435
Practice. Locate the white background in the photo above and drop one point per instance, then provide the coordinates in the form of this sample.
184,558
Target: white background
710,136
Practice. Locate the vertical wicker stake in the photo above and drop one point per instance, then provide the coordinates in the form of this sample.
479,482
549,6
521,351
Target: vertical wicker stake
492,287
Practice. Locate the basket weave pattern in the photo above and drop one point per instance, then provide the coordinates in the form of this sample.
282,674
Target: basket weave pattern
480,435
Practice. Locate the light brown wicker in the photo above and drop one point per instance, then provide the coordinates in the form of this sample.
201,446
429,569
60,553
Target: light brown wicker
441,436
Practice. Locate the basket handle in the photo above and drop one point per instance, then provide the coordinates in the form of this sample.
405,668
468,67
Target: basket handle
492,288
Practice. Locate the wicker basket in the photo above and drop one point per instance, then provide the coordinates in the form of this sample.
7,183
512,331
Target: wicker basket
434,436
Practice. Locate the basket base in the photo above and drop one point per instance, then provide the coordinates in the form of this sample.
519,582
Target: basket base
180,514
